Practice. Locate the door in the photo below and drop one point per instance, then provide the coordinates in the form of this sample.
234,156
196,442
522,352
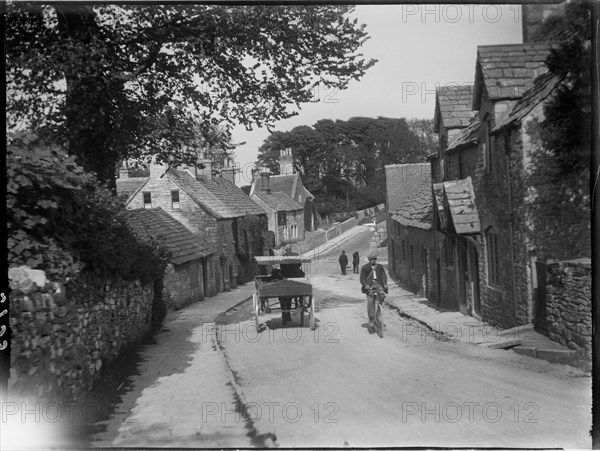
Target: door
540,322
439,281
474,269
462,274
425,273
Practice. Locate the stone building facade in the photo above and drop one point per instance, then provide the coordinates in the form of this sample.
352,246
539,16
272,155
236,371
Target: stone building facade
287,184
211,207
189,261
285,215
411,242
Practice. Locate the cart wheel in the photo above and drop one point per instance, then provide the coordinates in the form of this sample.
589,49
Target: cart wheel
256,305
312,313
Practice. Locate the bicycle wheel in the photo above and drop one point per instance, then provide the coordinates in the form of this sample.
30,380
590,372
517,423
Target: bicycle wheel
379,320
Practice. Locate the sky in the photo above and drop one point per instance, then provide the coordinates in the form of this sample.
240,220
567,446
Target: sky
419,48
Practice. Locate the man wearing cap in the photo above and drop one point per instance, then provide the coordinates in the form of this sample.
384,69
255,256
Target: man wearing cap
373,278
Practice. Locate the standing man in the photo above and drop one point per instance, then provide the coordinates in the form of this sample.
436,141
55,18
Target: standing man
343,262
355,262
373,278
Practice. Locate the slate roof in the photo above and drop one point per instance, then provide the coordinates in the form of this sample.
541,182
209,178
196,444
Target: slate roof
458,199
130,185
401,180
468,136
219,196
453,107
507,71
542,88
279,201
183,245
417,209
287,184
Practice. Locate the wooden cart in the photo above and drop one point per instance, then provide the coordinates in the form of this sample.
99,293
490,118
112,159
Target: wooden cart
297,287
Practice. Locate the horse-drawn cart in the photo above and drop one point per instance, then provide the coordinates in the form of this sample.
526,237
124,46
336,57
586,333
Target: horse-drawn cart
276,285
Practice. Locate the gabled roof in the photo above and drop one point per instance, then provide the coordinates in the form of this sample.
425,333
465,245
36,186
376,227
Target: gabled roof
453,107
130,185
220,197
279,201
417,209
468,136
542,88
401,180
183,245
458,199
507,71
288,184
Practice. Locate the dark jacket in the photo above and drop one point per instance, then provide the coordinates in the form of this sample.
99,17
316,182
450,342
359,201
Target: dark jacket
355,259
343,260
366,276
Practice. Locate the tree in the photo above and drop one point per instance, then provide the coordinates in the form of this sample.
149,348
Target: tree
132,81
560,172
346,159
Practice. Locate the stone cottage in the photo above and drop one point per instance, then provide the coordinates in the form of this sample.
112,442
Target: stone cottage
285,215
288,182
411,244
183,282
213,208
456,159
409,226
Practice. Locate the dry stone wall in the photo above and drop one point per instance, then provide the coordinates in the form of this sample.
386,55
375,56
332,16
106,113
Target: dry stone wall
569,304
63,336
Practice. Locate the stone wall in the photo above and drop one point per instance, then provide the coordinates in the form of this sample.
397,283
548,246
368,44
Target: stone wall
62,336
177,287
569,304
409,267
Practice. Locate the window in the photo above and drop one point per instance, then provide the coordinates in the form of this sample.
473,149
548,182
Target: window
147,199
412,256
493,258
449,246
175,199
404,250
281,218
294,214
285,232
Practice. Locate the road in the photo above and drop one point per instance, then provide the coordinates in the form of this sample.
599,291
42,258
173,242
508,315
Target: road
341,386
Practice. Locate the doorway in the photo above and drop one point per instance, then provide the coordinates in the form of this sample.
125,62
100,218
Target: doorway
474,275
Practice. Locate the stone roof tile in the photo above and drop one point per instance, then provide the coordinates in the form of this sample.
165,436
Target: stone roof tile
183,245
543,87
219,196
417,209
279,201
453,106
507,71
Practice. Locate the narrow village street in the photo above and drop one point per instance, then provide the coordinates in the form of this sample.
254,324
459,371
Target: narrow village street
195,209
341,386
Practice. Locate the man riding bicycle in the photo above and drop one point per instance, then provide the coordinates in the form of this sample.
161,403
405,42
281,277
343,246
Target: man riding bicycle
374,283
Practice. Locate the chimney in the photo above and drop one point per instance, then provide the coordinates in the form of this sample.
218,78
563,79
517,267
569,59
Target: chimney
228,172
265,181
206,173
286,162
124,170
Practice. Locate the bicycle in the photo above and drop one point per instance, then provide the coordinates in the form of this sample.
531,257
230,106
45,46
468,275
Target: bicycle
378,313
